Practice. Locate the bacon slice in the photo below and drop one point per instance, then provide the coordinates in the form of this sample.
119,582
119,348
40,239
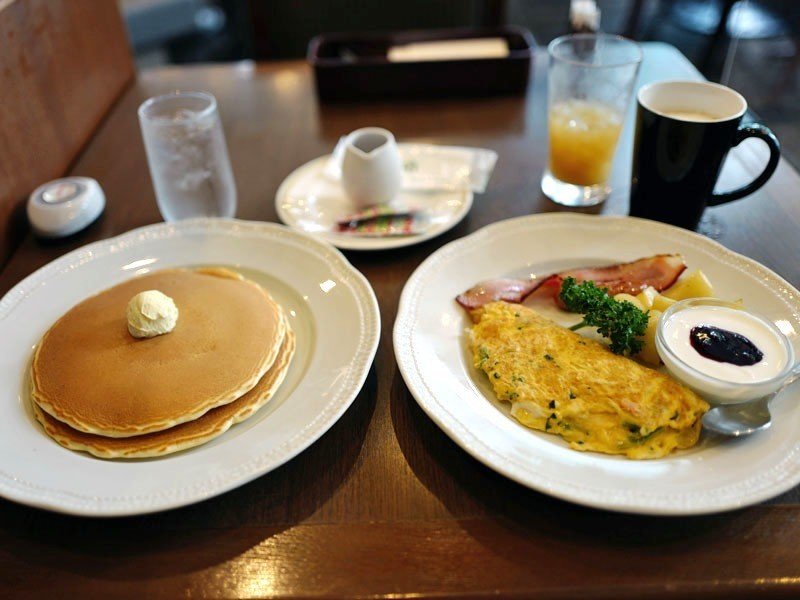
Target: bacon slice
659,271
510,290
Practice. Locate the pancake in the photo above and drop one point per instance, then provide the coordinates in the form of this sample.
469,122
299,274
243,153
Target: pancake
212,424
565,384
91,374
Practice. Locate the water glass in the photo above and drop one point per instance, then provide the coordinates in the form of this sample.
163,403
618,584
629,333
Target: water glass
590,81
187,155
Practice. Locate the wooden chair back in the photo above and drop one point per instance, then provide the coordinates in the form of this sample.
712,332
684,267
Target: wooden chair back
63,63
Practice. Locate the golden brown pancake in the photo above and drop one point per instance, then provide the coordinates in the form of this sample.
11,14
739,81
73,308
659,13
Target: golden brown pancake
91,374
212,424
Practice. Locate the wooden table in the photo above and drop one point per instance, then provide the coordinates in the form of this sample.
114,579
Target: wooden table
385,504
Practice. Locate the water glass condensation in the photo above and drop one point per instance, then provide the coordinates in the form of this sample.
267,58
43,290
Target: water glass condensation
590,81
187,155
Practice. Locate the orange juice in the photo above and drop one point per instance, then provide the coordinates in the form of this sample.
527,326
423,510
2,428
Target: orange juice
583,138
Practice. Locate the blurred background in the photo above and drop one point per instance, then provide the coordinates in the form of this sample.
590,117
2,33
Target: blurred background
750,45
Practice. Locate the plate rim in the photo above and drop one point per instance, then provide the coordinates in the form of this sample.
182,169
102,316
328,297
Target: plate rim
68,502
378,244
482,452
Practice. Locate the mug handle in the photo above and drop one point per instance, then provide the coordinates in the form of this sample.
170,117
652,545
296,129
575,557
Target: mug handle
763,133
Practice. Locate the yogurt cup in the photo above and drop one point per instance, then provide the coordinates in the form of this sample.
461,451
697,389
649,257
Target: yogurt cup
720,384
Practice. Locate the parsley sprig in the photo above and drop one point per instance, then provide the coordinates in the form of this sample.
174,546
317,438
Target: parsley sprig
621,322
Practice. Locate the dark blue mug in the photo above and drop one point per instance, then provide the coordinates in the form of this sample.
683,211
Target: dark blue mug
684,130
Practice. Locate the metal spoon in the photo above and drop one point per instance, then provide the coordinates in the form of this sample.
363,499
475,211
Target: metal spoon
738,420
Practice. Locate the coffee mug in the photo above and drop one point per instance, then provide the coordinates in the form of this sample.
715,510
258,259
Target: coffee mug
684,130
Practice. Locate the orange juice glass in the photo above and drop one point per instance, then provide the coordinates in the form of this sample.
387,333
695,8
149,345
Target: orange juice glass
590,80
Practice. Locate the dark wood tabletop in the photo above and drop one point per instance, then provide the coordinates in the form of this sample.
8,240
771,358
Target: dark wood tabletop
384,504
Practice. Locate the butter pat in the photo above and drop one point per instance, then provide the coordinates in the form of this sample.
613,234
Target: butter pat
151,313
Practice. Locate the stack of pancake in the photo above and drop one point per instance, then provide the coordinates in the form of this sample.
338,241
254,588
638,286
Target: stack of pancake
98,389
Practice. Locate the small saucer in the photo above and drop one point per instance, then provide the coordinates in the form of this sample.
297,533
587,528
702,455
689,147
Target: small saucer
310,201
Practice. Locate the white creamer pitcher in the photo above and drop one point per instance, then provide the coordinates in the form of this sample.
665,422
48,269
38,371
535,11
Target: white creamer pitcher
372,171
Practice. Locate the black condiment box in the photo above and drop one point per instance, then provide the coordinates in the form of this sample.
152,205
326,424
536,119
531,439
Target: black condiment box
354,66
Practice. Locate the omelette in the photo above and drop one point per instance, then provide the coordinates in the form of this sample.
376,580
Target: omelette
562,383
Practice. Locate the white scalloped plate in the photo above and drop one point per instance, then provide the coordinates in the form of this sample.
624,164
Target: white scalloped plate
716,475
333,311
307,201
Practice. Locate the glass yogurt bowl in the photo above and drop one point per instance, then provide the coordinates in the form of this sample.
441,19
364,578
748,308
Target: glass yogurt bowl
719,383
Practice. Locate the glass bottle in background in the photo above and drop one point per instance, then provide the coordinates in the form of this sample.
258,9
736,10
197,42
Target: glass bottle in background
187,156
590,81
584,16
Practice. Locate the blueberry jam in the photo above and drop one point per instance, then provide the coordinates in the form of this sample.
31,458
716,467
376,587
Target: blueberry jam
725,346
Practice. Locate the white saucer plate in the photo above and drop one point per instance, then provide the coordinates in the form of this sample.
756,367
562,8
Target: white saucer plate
333,312
310,201
718,474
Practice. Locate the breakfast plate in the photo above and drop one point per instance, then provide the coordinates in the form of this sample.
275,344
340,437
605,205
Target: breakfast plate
322,294
311,202
717,474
